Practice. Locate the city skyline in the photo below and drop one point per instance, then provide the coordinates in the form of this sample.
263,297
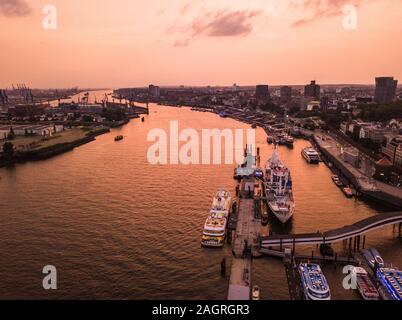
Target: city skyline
198,43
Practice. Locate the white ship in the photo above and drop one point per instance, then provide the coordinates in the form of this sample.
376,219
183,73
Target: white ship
311,155
278,188
314,284
214,232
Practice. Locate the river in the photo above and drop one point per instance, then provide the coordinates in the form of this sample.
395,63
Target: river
117,227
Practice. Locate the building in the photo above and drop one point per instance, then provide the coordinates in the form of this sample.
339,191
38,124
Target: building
286,93
312,90
154,91
385,89
262,92
393,149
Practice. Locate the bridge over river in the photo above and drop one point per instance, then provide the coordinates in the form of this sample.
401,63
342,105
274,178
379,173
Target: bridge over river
337,235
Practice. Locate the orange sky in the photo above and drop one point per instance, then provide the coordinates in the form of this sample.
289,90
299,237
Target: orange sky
99,43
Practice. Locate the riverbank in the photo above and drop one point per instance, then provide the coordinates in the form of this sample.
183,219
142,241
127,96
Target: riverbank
48,151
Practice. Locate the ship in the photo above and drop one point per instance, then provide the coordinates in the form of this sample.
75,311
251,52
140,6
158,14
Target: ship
364,284
247,169
391,283
315,286
214,233
311,155
278,188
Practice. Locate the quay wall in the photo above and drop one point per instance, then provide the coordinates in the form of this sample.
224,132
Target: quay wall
379,195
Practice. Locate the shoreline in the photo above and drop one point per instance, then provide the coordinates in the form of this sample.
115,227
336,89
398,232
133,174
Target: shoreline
52,151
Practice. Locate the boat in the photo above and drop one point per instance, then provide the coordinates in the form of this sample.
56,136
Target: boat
270,139
364,284
348,192
289,141
315,285
118,138
337,181
278,188
222,202
256,293
391,282
311,155
223,114
142,119
214,232
254,126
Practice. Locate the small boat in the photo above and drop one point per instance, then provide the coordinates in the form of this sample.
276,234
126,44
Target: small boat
270,139
364,284
373,258
254,126
311,155
348,192
337,181
315,285
256,293
289,141
143,119
118,138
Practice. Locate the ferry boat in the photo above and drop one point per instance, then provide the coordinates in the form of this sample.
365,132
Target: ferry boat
364,284
222,201
278,188
311,155
391,281
214,233
314,284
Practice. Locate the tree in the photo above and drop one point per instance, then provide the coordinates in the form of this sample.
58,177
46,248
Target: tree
8,149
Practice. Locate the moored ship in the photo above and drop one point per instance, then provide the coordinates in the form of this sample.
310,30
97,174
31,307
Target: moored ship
391,281
311,155
278,187
364,284
214,232
314,284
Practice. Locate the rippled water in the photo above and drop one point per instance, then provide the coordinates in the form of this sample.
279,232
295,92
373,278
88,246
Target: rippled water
117,227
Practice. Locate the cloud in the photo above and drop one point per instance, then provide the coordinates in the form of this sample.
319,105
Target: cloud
14,8
220,23
318,9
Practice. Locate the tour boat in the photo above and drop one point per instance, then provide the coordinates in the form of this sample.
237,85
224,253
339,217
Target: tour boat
278,188
311,155
391,281
364,284
314,284
222,201
214,233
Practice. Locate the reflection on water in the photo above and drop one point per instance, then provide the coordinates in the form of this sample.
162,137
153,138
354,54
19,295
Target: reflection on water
117,227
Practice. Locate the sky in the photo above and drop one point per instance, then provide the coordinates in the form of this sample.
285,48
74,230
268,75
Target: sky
125,43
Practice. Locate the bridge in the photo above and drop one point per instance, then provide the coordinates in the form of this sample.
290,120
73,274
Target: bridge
337,235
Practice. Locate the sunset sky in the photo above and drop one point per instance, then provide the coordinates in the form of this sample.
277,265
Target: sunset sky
106,43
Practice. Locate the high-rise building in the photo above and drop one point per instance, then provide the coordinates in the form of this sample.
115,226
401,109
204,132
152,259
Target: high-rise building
262,91
286,93
385,89
154,91
312,90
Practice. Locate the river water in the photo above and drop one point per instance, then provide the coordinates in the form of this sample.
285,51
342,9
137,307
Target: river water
117,227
